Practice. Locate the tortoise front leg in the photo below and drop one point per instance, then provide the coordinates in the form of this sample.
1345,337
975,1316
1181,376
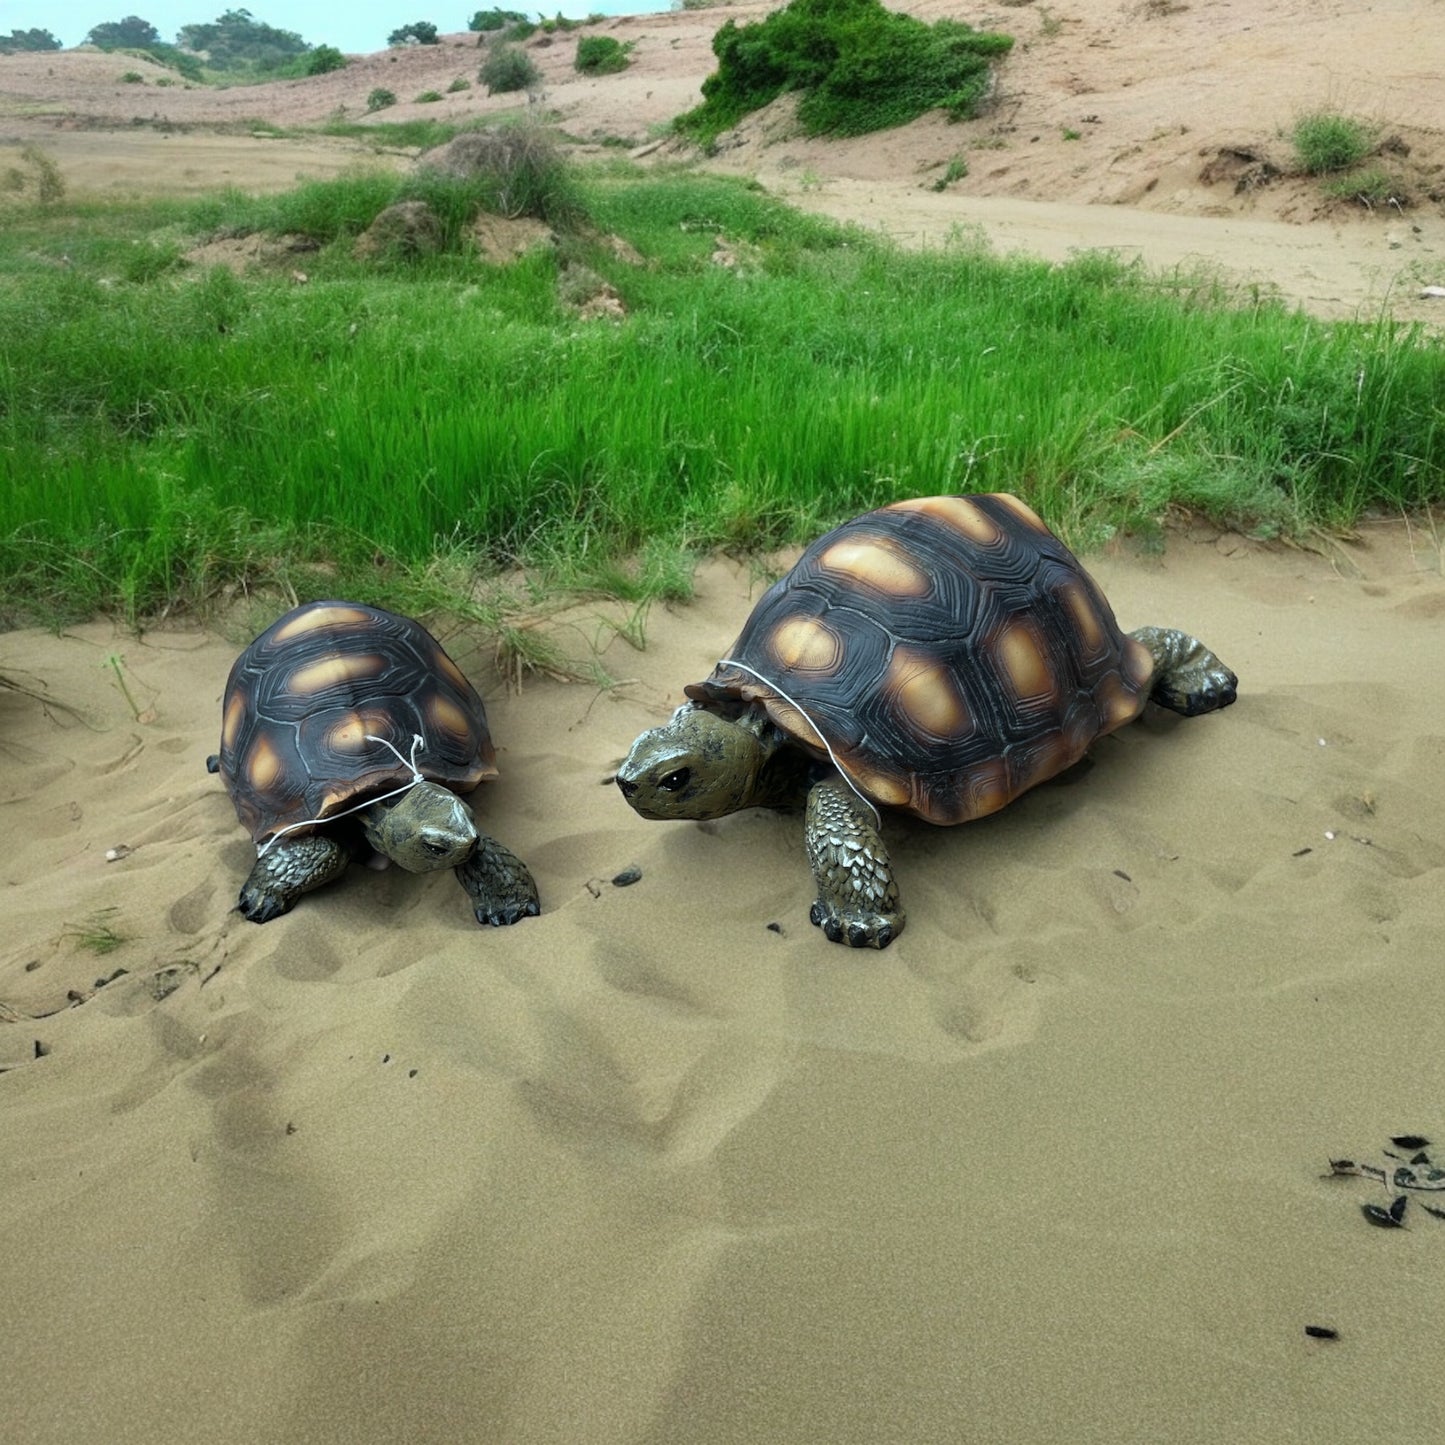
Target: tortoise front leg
498,883
287,869
857,897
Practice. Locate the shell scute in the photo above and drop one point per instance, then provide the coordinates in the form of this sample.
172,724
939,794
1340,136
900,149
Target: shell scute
950,651
307,701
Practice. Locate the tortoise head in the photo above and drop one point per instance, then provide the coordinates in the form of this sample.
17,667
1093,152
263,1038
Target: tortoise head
426,828
696,765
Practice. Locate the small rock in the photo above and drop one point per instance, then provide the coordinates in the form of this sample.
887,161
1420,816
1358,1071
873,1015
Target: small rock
629,875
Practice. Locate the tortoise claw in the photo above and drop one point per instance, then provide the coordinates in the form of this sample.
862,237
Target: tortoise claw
857,931
507,914
261,907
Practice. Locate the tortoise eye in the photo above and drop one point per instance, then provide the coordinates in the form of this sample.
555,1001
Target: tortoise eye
675,781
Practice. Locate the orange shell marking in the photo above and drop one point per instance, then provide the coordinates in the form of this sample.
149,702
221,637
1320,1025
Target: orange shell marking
793,722
235,716
263,765
877,564
1022,511
806,645
457,677
350,736
1083,615
447,717
1021,656
886,788
1138,663
958,513
927,694
336,669
319,617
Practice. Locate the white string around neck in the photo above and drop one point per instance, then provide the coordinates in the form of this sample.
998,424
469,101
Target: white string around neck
842,771
418,743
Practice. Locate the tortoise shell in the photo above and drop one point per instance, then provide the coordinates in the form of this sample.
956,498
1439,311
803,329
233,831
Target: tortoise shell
948,653
302,698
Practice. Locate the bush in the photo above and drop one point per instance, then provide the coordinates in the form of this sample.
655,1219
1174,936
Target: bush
862,68
324,59
485,20
133,77
419,32
600,55
427,97
460,83
520,30
508,68
380,99
1325,142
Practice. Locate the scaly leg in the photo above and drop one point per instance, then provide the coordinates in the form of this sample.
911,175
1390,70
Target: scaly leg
498,883
857,897
287,869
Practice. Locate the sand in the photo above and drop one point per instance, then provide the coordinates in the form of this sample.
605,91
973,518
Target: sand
648,1169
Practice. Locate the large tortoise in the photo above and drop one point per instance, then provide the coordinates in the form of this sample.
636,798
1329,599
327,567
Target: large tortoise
346,729
938,657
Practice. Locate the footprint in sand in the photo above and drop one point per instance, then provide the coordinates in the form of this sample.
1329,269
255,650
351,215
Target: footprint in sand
194,911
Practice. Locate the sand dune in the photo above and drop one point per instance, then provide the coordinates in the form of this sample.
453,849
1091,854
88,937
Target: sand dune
647,1169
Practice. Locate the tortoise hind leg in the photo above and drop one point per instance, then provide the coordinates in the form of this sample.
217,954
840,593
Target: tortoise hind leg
857,897
286,870
498,883
1188,677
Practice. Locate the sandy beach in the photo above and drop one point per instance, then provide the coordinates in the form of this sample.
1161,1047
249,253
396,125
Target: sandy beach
649,1168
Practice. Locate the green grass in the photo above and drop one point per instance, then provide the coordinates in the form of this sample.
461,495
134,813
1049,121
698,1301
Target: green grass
1326,142
167,433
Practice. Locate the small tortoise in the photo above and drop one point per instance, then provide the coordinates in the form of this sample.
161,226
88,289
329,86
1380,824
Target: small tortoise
939,657
345,726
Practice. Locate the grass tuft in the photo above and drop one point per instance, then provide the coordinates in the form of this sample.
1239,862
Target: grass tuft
1326,142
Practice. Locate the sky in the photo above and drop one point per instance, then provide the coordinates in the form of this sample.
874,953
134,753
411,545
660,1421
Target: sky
356,26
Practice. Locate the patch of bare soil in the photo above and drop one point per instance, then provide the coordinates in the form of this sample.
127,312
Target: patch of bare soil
1152,128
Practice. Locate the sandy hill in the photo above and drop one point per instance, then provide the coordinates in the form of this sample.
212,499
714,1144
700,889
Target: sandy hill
1151,127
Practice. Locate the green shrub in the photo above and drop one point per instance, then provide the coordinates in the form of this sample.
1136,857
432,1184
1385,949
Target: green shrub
861,68
494,19
508,68
380,99
427,97
520,30
419,32
1370,187
324,59
1325,142
600,55
133,77
459,84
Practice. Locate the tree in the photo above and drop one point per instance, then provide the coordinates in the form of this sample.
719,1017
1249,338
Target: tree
28,40
494,19
132,33
419,32
236,41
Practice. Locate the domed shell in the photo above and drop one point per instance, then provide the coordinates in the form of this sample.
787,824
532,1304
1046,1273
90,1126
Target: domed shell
948,653
302,699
